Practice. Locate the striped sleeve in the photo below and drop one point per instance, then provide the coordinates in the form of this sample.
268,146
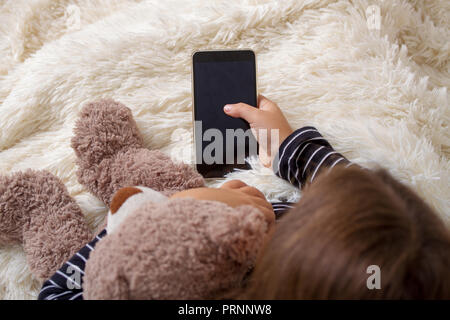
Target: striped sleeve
303,155
66,283
280,208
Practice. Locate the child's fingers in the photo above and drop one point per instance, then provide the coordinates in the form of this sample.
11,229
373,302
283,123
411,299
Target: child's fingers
242,110
268,214
233,184
252,191
266,104
257,199
260,98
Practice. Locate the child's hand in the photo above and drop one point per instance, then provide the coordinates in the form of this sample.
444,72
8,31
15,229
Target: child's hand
233,193
267,116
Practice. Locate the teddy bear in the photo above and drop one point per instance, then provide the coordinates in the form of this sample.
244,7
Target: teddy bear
156,247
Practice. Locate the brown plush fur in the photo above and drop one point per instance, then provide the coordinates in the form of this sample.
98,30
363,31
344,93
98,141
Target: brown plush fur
110,155
179,249
37,211
183,249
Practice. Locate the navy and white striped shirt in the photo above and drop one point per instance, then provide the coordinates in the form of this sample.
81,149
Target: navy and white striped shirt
67,282
303,155
301,158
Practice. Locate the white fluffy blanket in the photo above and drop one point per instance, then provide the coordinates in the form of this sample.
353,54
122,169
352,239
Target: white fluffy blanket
378,92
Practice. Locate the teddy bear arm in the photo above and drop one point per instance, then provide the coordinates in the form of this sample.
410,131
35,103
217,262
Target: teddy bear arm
110,155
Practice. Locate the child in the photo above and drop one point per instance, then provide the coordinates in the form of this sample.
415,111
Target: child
302,158
355,234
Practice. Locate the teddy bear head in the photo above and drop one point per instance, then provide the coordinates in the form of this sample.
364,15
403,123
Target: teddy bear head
162,248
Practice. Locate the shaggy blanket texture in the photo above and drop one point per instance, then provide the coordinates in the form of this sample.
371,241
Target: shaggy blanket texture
378,92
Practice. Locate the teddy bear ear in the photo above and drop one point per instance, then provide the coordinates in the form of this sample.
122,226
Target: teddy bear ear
126,201
242,234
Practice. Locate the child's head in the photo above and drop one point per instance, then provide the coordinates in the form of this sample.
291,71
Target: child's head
347,220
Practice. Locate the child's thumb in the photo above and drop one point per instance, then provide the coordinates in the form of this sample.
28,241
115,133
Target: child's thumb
241,110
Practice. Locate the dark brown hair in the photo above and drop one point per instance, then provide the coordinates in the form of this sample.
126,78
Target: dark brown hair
346,221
